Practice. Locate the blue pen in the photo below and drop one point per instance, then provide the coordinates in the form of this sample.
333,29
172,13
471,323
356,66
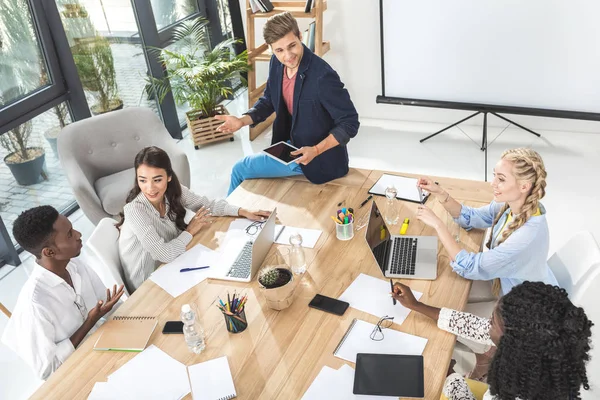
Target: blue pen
192,269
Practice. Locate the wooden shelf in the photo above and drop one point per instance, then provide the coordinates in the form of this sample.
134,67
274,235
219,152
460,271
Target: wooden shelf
296,8
265,55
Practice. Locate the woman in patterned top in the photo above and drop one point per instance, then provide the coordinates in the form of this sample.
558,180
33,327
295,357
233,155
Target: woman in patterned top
153,230
542,342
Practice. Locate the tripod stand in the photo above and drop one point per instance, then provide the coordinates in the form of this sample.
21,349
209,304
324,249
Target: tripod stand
484,139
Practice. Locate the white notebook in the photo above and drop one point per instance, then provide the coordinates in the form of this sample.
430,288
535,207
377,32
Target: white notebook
406,187
212,380
358,340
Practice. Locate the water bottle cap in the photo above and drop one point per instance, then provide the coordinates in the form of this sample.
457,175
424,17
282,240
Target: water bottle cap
295,238
186,308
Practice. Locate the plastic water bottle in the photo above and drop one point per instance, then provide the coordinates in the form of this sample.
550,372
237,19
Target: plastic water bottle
192,331
391,206
297,259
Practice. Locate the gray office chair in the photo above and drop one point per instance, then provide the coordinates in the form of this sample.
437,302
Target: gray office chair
97,155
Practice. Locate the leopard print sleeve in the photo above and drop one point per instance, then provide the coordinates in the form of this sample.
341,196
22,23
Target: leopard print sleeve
456,388
465,325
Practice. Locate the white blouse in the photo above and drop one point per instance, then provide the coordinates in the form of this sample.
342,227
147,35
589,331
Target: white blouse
148,240
47,314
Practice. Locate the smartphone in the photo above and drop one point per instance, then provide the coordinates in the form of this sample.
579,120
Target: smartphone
329,305
173,327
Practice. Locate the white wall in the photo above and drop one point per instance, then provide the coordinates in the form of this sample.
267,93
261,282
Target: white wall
352,26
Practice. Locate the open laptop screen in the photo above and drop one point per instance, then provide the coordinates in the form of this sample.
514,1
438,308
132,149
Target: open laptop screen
377,236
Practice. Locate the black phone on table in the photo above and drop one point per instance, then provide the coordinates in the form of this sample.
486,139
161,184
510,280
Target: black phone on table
173,327
329,304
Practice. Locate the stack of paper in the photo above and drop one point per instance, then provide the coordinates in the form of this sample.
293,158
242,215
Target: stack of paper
152,374
372,295
337,385
211,380
176,283
358,340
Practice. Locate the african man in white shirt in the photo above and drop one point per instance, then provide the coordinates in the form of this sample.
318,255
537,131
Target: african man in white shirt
63,299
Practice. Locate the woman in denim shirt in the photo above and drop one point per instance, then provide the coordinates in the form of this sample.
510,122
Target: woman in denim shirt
519,241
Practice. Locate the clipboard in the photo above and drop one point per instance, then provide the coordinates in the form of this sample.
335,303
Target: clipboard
406,187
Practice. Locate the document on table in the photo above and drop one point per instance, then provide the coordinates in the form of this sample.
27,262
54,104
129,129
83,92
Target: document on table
406,187
372,295
152,374
338,384
211,380
358,340
176,283
310,237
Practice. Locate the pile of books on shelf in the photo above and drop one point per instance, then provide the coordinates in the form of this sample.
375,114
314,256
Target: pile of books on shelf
261,6
308,37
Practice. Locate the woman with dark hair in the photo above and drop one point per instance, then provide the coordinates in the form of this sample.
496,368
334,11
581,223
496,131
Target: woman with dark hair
542,340
152,224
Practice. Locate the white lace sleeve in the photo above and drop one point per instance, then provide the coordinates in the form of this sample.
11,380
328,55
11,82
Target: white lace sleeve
465,325
456,388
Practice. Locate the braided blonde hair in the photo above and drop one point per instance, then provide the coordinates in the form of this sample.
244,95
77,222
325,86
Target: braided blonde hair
527,167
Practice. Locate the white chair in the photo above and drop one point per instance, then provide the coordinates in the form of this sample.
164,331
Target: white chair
587,297
574,260
104,243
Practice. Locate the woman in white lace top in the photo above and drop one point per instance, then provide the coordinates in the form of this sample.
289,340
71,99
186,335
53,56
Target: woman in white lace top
542,342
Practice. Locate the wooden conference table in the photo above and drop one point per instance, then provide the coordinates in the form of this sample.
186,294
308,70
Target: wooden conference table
281,352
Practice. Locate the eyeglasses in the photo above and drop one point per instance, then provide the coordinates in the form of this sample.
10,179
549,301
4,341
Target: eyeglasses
254,227
384,322
81,306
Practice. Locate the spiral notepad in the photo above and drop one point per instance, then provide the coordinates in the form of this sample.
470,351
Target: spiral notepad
126,333
212,380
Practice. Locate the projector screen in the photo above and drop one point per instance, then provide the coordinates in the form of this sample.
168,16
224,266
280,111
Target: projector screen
536,57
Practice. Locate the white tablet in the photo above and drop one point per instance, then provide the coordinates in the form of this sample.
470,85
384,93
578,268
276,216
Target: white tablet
281,152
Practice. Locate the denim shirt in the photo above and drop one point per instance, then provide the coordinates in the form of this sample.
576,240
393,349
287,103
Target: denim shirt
521,257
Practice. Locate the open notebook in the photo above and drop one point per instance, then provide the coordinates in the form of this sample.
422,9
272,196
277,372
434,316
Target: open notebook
126,333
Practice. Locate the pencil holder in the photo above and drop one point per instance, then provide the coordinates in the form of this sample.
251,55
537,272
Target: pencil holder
344,231
237,322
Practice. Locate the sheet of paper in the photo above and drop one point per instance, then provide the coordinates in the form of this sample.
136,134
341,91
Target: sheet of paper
176,283
211,380
334,384
393,342
310,237
406,187
372,295
104,391
152,374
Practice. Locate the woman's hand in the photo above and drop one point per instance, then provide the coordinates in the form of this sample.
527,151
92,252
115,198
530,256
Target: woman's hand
199,221
428,185
404,295
259,215
428,217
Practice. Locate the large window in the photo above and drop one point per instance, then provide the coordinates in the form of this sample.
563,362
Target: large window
66,60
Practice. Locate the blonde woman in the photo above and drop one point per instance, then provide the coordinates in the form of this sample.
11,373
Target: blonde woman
519,241
518,245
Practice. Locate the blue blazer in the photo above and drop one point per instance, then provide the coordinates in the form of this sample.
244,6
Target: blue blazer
321,106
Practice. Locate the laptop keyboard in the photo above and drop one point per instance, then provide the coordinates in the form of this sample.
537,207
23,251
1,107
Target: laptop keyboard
404,256
242,265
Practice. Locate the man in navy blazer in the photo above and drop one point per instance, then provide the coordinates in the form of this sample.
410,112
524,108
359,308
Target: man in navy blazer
314,111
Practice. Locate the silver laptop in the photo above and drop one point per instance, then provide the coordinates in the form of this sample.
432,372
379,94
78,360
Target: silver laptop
251,252
401,256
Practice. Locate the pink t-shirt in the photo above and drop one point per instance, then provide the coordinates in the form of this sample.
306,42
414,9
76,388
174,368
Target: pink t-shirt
287,89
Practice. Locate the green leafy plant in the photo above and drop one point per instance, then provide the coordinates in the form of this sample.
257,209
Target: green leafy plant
16,140
95,64
197,75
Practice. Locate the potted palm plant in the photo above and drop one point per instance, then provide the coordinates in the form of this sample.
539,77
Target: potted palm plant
199,76
95,64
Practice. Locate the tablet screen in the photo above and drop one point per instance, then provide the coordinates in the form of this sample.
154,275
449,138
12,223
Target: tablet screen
282,151
389,375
